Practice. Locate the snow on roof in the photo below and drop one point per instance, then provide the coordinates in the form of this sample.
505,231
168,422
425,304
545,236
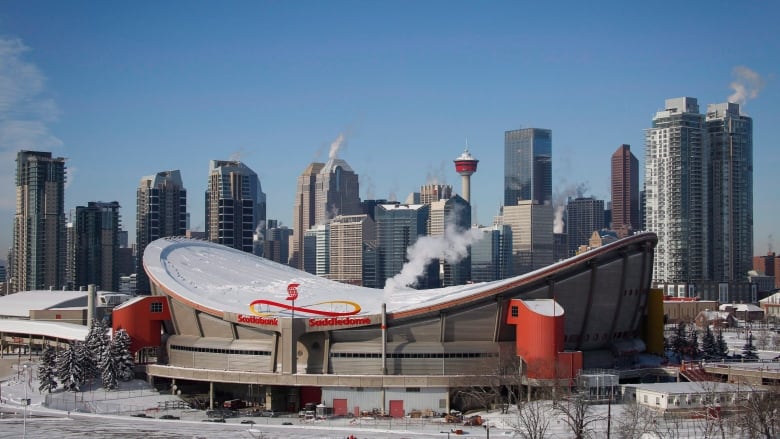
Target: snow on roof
740,307
774,298
67,331
687,387
545,307
228,280
19,304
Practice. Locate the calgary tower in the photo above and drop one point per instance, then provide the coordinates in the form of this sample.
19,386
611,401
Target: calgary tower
465,165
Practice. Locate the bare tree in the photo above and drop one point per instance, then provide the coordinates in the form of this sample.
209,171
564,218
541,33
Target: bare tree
578,415
532,420
759,415
636,421
711,419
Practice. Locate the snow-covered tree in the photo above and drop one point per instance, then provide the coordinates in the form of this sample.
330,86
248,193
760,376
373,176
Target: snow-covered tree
47,369
69,370
109,369
97,342
122,355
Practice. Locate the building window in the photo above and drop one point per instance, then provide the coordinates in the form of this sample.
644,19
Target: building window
515,311
157,307
412,390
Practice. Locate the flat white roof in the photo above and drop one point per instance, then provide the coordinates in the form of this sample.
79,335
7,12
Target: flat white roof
19,304
66,331
689,387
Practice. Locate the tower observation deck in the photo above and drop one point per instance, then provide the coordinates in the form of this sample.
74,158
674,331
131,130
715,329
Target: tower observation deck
465,165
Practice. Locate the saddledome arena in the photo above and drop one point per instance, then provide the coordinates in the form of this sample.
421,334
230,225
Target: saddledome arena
234,321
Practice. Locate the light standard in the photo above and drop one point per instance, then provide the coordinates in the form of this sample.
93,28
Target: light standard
25,403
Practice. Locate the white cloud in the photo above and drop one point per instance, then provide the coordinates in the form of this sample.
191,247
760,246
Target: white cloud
24,113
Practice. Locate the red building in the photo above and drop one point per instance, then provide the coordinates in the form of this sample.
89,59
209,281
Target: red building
768,265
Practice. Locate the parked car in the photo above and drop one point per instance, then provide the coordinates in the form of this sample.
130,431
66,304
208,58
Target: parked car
215,420
247,421
140,415
169,417
268,414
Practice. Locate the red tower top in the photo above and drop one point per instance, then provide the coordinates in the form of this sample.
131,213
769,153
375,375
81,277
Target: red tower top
466,164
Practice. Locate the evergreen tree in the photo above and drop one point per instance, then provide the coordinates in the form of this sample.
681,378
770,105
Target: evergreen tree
86,362
69,371
748,349
723,347
96,342
124,358
47,368
681,343
109,367
693,343
709,346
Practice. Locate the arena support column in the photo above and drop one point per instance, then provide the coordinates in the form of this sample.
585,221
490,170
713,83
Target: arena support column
384,339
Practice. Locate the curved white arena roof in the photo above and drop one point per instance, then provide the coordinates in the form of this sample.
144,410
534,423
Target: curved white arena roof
218,279
222,279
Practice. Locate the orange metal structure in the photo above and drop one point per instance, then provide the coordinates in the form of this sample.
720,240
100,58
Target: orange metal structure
142,319
539,341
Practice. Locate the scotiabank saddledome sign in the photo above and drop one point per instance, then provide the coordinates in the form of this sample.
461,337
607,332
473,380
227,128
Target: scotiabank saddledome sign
329,313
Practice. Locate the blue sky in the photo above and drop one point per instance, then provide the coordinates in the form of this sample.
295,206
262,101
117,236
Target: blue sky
127,89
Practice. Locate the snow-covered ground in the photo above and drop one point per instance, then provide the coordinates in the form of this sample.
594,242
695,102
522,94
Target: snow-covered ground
137,397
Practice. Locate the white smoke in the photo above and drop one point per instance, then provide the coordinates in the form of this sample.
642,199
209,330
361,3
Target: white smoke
335,146
747,84
453,246
560,199
435,175
558,221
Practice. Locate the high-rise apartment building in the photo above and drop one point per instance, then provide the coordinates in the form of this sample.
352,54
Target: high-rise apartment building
96,232
451,216
39,241
491,255
528,166
532,235
235,205
583,217
625,192
161,211
349,236
398,226
676,187
730,177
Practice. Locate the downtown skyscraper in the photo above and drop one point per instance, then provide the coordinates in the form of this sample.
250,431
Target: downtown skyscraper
39,240
324,191
528,166
676,187
528,197
625,192
161,210
96,246
235,205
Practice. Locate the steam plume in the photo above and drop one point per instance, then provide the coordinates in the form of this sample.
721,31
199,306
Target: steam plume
335,146
560,199
452,246
746,85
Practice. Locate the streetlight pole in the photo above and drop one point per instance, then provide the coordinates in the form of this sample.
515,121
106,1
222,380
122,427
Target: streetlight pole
25,402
